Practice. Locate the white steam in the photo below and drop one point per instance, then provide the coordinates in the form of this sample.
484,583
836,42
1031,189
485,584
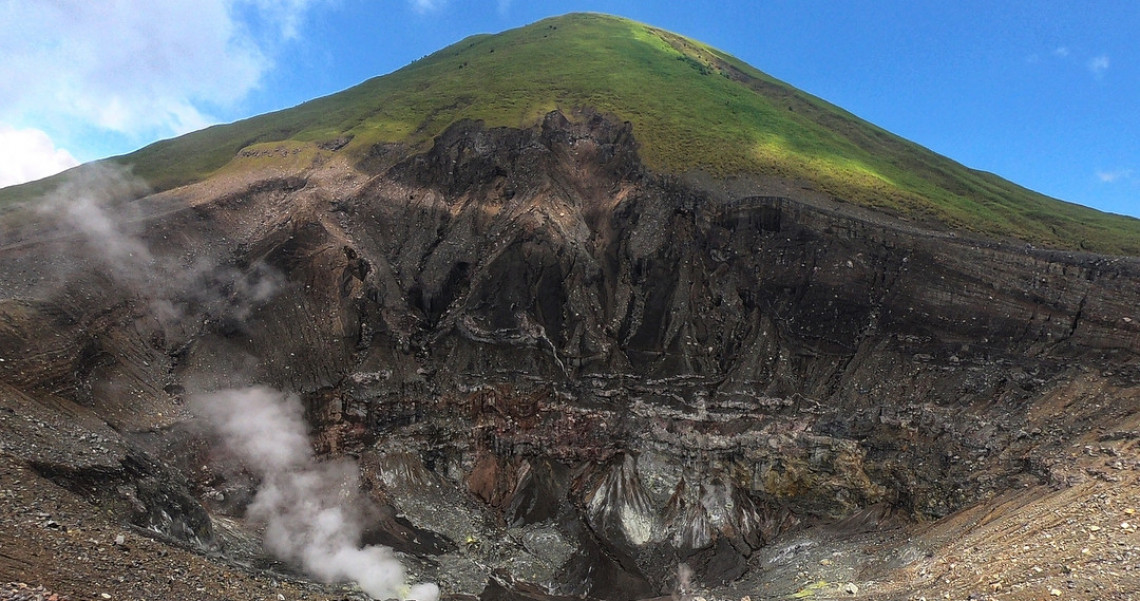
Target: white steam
101,226
88,214
312,510
95,204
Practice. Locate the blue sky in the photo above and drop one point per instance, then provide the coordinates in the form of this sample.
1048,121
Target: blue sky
1044,93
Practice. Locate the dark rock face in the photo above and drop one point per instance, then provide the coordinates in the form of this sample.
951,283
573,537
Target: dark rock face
562,366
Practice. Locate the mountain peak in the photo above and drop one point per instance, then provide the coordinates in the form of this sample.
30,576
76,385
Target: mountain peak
693,109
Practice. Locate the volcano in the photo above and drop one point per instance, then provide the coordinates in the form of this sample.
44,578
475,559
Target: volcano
584,309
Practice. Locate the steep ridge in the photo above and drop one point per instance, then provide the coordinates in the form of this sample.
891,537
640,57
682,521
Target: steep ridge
695,109
565,372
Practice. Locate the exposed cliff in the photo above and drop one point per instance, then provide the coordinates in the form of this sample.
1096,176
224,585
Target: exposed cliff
558,366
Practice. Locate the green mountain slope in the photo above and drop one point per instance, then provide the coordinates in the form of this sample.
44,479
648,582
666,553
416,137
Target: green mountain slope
692,108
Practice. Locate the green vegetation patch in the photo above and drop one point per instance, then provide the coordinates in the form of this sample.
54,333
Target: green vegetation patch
692,108
811,590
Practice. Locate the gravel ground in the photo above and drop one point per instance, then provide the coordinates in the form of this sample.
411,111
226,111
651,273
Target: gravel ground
21,591
1078,540
50,538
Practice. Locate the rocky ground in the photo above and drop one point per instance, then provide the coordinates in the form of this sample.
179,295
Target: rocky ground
51,538
1040,542
1073,539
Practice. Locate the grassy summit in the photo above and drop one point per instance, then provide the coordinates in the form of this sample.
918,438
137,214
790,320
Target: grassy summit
692,107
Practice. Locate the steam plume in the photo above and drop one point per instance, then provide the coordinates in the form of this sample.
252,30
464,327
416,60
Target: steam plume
683,591
312,510
92,204
100,227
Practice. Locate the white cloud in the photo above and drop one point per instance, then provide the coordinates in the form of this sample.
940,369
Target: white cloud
29,154
1098,65
1109,177
138,68
1061,51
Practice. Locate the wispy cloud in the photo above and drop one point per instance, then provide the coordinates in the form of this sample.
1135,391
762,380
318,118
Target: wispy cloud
1098,65
285,15
428,6
1113,176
